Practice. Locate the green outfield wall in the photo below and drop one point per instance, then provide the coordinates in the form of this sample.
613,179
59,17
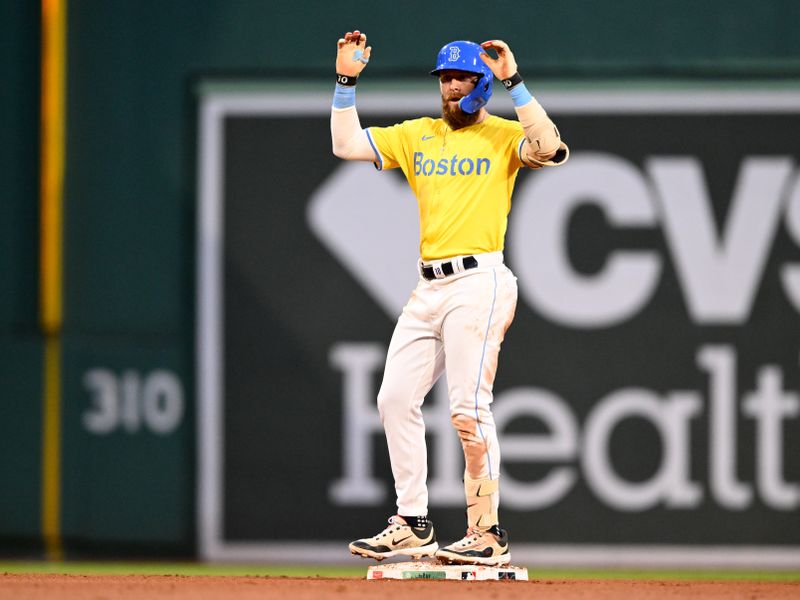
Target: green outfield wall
20,342
128,447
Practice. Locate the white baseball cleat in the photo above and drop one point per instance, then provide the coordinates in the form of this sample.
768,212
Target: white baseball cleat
478,547
398,538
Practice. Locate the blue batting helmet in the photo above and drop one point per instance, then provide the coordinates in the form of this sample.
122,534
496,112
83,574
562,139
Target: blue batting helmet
463,55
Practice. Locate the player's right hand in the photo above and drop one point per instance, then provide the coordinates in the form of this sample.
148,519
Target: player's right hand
504,66
352,54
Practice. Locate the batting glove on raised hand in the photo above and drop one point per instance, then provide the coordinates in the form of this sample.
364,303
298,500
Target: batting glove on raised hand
353,53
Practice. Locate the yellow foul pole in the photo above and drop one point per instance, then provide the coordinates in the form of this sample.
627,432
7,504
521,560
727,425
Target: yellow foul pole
51,191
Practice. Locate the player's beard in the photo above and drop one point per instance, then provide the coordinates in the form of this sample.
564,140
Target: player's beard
454,116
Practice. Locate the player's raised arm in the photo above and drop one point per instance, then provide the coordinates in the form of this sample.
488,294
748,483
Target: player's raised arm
543,145
350,141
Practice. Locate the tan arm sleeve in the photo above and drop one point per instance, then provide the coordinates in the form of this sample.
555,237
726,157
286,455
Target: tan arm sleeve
350,141
543,146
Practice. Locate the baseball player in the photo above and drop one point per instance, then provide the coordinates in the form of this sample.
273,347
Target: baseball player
462,169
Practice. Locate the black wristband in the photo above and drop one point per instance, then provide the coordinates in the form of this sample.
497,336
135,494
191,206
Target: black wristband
515,79
346,80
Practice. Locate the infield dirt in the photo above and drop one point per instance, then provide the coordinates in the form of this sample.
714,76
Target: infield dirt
180,587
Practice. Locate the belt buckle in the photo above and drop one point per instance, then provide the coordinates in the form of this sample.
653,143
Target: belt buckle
433,270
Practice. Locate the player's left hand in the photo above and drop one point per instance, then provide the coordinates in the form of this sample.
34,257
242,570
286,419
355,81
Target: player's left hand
352,54
504,66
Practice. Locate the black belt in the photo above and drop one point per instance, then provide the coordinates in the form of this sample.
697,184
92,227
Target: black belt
470,262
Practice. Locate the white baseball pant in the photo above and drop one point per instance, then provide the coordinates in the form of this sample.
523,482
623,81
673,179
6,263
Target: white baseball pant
456,324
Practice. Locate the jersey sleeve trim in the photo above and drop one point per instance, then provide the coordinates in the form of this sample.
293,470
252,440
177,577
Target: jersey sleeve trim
519,150
379,159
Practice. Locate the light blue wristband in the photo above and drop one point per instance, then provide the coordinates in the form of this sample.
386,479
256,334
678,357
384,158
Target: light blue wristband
344,96
520,95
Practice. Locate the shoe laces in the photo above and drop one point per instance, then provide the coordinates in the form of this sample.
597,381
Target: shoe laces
395,524
473,533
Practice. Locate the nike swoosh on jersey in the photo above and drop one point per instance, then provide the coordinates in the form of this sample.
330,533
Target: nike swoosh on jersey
425,138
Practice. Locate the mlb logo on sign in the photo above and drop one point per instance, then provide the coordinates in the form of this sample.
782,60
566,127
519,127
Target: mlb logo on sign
469,575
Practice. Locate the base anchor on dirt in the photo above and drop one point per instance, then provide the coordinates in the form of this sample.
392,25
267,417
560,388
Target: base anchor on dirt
434,570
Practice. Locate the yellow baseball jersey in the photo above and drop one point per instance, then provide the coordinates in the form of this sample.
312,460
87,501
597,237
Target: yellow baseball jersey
462,179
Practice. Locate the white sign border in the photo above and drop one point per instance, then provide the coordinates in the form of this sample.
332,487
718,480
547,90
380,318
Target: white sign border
214,106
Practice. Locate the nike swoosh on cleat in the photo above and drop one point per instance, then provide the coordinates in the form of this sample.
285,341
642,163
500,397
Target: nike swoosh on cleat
395,542
425,138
